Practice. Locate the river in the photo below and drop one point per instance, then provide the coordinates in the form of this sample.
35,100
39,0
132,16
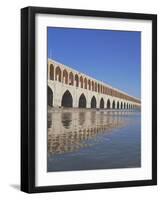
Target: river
82,139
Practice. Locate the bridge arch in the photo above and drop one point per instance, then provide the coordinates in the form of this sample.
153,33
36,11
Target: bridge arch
101,103
118,105
58,74
93,102
76,80
71,78
124,105
82,101
81,82
67,100
98,88
65,76
51,72
103,89
113,104
92,85
89,84
108,104
50,96
127,106
85,83
95,87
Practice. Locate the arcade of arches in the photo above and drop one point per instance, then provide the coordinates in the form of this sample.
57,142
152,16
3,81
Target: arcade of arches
67,101
74,79
70,88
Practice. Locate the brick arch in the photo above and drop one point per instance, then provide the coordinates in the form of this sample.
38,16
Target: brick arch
49,96
92,85
108,104
102,103
103,89
85,83
118,105
113,104
51,72
76,80
93,102
127,106
58,74
81,82
65,76
121,105
67,99
95,87
82,101
71,78
89,84
98,88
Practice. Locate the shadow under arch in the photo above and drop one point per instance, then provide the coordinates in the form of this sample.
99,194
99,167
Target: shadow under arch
118,105
50,96
67,100
102,103
127,106
108,104
93,102
124,105
82,101
113,105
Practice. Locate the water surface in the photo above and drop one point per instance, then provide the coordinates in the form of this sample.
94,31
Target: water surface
82,139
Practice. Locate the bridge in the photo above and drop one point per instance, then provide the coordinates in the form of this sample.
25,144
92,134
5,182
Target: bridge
70,88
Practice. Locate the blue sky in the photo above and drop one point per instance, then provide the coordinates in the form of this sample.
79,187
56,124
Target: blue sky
113,57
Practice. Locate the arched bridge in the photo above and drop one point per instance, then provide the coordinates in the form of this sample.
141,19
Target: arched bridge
70,88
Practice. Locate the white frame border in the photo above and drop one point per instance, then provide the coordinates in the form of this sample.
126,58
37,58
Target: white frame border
42,178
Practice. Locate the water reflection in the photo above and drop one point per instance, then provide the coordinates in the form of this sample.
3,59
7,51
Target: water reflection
71,130
66,119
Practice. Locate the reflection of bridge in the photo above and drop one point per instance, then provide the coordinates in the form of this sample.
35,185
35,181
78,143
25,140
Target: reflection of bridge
70,88
70,130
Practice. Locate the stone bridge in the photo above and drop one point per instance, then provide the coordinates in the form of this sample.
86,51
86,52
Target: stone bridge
70,88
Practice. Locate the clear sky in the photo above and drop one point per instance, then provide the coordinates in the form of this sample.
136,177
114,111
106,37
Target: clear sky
113,57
